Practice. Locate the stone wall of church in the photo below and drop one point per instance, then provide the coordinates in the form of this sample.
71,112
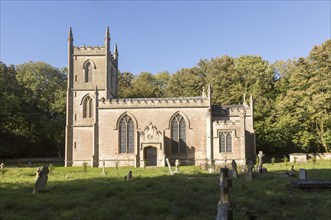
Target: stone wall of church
159,116
82,145
98,68
238,123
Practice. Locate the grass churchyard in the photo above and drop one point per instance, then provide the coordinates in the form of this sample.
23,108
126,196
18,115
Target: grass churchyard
87,193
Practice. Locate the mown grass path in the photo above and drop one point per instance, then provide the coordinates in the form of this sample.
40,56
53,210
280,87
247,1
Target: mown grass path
154,194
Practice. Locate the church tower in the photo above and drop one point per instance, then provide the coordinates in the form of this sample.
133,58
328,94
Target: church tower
92,75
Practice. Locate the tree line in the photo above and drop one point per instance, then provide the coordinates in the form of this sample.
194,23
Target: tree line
292,100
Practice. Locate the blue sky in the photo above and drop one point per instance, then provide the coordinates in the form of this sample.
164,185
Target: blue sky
157,36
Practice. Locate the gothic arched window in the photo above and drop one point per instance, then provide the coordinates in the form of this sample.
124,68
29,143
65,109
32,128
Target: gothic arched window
88,107
126,135
225,142
88,72
178,134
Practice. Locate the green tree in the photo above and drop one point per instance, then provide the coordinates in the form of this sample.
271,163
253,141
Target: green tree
186,82
303,101
34,125
125,85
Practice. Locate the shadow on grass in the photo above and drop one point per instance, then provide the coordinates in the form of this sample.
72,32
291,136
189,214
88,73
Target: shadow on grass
183,196
168,197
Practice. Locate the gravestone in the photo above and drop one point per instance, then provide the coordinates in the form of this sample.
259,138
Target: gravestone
2,169
177,166
249,174
302,174
292,172
41,180
234,172
260,155
128,177
169,166
224,210
103,168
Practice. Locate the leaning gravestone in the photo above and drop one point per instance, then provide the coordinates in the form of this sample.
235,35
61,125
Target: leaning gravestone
224,210
249,174
42,177
234,172
169,166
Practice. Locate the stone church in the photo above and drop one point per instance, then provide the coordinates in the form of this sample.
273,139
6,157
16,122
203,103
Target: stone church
102,128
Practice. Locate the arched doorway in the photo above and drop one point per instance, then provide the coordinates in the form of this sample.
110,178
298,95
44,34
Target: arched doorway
150,156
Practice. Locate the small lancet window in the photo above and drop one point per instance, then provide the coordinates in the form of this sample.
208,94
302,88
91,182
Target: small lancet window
88,107
88,72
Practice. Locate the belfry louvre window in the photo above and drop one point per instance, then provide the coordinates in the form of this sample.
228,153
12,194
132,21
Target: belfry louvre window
88,107
178,134
225,144
126,135
88,72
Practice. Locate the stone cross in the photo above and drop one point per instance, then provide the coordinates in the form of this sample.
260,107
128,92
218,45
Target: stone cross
224,211
169,166
249,174
260,155
234,172
177,166
41,180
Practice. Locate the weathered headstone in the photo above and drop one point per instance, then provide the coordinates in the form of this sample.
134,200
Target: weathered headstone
234,172
169,166
224,211
249,174
41,180
128,177
260,155
302,174
177,166
103,168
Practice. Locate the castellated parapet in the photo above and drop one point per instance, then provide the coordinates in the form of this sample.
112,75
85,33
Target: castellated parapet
186,102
